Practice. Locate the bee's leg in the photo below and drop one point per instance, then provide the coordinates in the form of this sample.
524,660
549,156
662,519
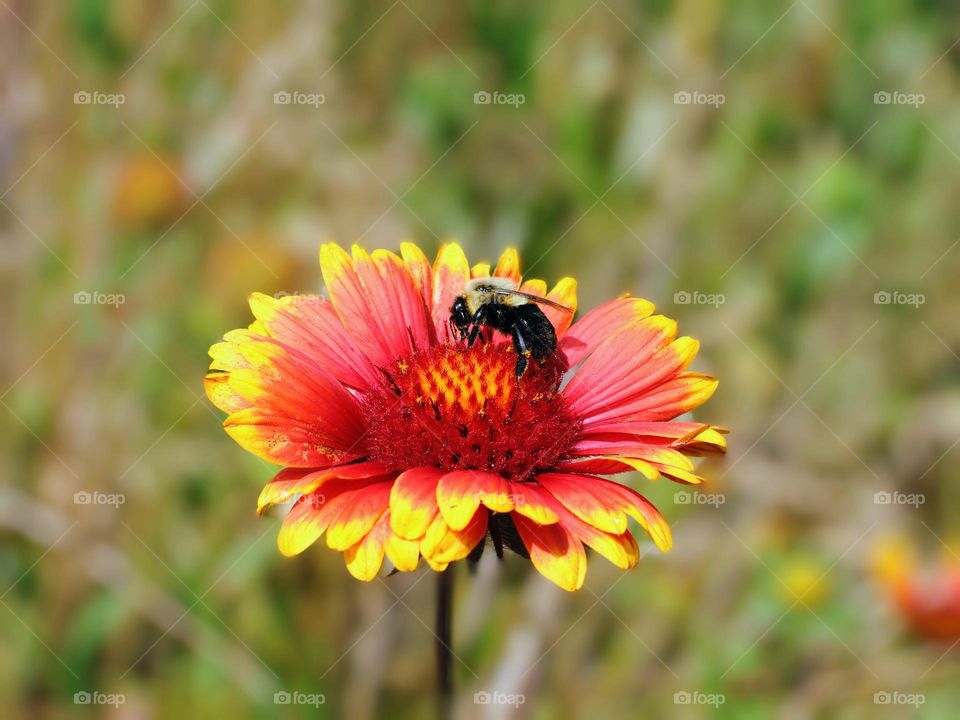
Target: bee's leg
477,322
522,353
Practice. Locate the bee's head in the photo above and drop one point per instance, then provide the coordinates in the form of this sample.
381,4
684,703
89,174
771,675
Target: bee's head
460,315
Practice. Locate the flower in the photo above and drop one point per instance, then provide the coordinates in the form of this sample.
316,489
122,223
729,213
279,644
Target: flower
927,596
402,441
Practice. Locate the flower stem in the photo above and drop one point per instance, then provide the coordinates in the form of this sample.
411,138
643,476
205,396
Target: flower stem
444,652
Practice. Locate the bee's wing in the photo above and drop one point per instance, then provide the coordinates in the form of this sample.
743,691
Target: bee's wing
533,298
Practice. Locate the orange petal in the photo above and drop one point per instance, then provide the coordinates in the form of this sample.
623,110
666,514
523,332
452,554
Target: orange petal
534,287
666,401
298,415
601,502
619,548
451,271
627,365
295,481
310,324
529,500
377,301
217,387
611,465
404,554
303,525
554,552
480,270
460,493
442,544
509,265
563,293
420,270
413,502
365,558
358,515
586,335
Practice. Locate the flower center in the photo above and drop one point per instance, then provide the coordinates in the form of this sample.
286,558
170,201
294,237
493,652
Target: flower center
458,408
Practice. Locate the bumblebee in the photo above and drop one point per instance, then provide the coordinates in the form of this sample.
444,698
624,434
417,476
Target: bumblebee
495,303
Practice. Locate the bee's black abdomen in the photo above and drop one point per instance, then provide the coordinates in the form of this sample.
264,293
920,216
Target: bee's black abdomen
537,330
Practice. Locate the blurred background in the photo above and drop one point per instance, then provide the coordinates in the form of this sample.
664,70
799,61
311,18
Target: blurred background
779,176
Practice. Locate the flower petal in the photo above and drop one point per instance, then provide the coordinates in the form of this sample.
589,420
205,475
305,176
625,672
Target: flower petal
554,552
480,270
586,335
377,301
691,437
359,514
509,265
611,465
217,387
295,481
564,293
669,399
365,558
413,502
626,365
298,415
303,525
310,324
420,270
451,271
597,501
442,544
460,493
532,502
403,553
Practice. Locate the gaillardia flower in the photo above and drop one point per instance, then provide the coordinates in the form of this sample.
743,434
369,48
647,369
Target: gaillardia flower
403,440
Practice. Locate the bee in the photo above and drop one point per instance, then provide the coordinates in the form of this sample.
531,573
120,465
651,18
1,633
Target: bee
496,303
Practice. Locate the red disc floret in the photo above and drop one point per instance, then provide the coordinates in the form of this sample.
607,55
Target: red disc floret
458,408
